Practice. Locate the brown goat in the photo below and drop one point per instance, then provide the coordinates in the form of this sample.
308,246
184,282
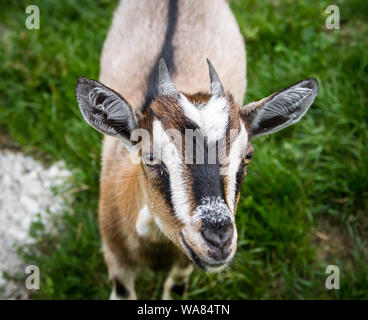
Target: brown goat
157,208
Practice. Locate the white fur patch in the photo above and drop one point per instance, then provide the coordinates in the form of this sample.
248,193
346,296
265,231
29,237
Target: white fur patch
212,119
171,156
213,209
215,117
144,222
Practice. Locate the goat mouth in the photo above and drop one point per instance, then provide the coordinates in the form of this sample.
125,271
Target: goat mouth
205,266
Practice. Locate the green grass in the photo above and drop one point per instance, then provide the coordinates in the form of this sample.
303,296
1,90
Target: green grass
306,182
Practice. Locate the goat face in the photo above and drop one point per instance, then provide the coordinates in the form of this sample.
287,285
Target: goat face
195,150
193,165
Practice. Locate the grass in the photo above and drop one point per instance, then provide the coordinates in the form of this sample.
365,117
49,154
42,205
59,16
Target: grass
304,202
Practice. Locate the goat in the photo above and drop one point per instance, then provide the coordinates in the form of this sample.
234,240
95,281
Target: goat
162,212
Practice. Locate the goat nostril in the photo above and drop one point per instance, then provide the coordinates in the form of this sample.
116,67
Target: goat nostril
228,234
217,236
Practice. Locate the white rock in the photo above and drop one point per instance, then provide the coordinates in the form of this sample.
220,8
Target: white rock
25,192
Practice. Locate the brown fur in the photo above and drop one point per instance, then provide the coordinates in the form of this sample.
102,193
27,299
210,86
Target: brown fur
118,228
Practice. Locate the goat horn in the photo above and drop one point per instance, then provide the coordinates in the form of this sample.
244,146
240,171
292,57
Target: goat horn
216,85
165,85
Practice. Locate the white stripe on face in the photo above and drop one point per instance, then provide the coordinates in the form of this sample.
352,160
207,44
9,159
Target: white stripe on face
190,111
233,160
173,160
212,119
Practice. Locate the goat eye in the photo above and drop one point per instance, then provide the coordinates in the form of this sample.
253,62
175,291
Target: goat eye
249,156
150,159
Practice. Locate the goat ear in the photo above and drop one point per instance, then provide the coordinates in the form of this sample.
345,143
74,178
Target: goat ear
281,109
104,109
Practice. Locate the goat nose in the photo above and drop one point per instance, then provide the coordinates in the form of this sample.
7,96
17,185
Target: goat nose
217,235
